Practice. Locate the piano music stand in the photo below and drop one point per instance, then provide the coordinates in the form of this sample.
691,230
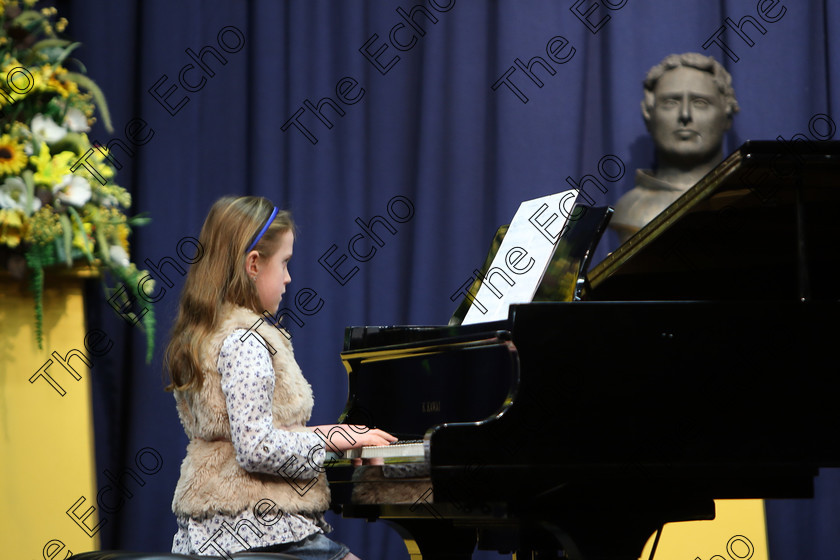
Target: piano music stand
564,277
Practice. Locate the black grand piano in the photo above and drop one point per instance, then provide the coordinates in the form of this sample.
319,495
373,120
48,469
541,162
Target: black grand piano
697,362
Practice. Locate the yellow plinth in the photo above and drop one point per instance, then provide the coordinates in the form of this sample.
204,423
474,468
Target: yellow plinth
738,532
46,439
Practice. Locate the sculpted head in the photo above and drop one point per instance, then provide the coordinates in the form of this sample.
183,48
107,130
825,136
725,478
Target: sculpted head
688,106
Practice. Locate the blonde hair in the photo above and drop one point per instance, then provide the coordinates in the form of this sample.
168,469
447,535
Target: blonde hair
220,278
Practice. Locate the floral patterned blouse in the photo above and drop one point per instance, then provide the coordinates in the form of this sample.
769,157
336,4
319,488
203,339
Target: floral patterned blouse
248,385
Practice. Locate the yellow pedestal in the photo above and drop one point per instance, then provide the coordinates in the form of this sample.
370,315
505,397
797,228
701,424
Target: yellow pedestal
738,532
46,439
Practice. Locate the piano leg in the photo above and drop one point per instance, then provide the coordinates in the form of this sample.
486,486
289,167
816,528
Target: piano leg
434,539
604,531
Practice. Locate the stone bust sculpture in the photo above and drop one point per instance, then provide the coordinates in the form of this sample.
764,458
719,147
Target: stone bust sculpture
688,106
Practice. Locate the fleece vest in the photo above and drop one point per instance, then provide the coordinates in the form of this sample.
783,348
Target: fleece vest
212,482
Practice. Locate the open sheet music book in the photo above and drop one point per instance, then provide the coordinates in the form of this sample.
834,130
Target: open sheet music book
523,256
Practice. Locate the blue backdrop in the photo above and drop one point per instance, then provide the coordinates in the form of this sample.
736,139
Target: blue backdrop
438,127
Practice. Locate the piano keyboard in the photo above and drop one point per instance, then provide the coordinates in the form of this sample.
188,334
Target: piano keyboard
407,449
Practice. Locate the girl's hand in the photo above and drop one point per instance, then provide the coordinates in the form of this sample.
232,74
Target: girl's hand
341,437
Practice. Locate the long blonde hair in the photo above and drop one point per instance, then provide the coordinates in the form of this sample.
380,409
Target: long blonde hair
219,278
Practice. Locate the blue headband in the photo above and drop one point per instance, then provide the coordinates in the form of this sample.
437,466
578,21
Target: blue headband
263,230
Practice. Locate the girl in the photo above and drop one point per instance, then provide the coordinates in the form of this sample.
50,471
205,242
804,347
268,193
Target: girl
253,477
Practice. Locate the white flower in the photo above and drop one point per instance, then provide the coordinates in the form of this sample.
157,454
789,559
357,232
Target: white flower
13,195
45,129
72,190
106,201
75,120
119,256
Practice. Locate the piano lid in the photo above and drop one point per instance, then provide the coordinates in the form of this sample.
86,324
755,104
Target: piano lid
760,226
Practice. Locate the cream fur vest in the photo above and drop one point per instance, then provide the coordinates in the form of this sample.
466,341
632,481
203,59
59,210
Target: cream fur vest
211,480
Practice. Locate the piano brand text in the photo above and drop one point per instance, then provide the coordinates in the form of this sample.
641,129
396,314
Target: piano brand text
430,406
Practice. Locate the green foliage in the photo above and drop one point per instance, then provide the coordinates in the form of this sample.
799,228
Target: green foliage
50,213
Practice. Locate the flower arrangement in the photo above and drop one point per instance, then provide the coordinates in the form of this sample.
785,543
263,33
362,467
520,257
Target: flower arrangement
53,212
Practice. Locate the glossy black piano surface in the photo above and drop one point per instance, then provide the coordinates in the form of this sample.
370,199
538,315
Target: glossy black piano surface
760,226
465,376
573,421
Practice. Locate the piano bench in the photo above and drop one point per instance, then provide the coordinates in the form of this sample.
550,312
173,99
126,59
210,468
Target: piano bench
122,555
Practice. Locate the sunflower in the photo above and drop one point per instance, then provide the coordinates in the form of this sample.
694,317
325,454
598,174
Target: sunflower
12,227
12,158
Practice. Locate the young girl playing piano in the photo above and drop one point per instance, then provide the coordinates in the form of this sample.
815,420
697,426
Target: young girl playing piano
252,478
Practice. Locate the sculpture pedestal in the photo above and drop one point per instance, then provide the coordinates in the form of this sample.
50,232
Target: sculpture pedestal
738,531
46,438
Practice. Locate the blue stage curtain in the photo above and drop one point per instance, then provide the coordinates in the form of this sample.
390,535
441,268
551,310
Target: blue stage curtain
433,133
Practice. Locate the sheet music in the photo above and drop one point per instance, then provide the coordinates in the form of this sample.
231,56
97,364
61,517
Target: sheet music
523,256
